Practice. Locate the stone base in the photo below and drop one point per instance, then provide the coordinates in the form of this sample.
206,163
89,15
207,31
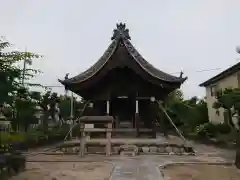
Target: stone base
137,124
128,150
128,153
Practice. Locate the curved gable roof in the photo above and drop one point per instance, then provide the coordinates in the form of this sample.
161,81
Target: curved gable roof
121,34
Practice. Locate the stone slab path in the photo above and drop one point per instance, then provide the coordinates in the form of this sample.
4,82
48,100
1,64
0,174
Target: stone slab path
136,170
142,167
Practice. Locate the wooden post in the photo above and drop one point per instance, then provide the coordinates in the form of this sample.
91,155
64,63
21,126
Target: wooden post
116,122
108,136
137,119
108,107
153,115
82,139
137,108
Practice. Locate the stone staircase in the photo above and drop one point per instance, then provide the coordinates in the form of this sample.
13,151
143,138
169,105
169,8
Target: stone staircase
126,130
123,130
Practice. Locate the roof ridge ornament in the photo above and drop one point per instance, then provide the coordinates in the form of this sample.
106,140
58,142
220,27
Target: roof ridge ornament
121,32
181,74
66,76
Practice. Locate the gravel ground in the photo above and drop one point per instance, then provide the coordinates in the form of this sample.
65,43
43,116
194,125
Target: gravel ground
66,171
200,172
94,167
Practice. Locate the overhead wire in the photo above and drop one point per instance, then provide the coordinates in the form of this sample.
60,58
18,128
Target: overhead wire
207,70
202,70
196,71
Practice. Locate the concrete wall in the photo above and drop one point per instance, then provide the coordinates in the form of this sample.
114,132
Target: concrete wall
231,81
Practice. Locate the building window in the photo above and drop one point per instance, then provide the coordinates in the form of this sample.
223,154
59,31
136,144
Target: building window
213,90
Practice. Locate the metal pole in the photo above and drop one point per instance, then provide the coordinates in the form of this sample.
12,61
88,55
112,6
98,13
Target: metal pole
24,67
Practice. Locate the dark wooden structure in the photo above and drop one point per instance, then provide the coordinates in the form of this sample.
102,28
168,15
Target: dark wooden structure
124,85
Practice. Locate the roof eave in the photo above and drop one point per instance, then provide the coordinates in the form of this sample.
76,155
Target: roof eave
233,69
184,79
64,82
204,84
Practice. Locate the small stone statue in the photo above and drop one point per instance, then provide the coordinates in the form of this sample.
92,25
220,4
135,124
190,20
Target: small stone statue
181,74
66,76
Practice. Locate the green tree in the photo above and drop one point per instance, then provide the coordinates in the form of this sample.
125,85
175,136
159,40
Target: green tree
187,113
229,100
11,74
197,112
53,102
47,102
25,110
65,107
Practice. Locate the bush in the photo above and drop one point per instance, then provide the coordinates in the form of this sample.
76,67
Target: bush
12,137
211,130
201,130
206,130
223,128
30,139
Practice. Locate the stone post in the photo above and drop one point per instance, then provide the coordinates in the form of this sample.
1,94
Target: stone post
82,139
108,137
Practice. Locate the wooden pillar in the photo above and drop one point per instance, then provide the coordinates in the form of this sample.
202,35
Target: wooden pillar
82,139
137,119
163,124
108,107
153,116
108,137
116,122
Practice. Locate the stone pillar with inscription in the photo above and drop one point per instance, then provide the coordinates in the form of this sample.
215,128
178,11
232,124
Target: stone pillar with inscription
108,137
82,139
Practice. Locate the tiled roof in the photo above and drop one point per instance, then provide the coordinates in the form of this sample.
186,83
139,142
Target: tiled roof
121,35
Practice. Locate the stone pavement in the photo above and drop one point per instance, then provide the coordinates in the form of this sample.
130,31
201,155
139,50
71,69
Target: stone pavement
136,170
144,167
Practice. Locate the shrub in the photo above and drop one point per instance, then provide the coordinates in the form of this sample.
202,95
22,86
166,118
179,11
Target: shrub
211,130
223,128
201,131
206,130
10,138
30,139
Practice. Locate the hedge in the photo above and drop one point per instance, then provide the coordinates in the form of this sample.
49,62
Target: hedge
12,143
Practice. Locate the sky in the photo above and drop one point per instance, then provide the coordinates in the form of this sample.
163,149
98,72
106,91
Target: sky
172,35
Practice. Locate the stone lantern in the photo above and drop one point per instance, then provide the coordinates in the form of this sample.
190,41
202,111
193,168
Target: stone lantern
4,124
2,117
38,114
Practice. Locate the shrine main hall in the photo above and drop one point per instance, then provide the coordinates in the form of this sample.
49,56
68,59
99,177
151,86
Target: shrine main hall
122,84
